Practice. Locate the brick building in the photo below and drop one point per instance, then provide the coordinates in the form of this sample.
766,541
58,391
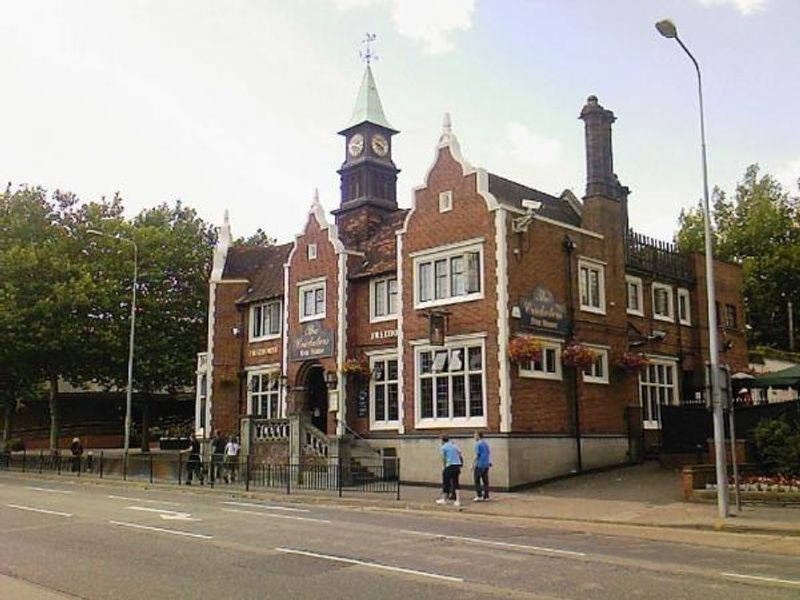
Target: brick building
385,326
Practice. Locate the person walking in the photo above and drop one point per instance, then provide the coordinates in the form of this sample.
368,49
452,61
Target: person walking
217,456
232,449
452,461
77,451
480,471
193,465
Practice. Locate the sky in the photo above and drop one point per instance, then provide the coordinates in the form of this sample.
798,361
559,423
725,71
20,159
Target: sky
235,104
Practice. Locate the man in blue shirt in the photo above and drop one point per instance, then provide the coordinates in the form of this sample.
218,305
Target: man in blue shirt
483,460
452,461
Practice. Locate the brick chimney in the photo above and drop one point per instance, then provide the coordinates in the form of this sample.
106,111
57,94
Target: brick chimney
600,178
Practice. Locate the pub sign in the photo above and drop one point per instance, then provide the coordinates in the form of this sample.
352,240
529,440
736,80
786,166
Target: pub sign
541,311
314,342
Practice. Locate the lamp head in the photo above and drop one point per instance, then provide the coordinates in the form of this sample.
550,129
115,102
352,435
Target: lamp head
667,29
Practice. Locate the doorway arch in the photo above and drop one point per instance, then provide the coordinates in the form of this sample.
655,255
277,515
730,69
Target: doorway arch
314,394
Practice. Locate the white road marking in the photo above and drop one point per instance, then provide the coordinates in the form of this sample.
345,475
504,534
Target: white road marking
760,578
265,506
40,510
42,489
201,536
143,500
373,565
165,514
495,543
271,516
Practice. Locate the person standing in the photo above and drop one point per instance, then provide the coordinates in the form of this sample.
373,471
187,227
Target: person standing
232,449
483,461
193,465
217,456
452,461
77,451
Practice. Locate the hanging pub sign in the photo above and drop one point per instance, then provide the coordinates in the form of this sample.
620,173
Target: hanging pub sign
540,311
313,342
438,328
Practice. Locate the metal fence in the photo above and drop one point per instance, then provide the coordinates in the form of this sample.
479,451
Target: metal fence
333,475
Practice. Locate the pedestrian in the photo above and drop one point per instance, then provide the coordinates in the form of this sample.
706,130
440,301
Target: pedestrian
193,465
217,456
77,451
452,461
483,461
232,449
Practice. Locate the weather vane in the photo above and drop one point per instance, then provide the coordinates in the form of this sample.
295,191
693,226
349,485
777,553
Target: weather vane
368,54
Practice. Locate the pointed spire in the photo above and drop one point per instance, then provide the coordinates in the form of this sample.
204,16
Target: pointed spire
368,104
316,196
447,137
225,236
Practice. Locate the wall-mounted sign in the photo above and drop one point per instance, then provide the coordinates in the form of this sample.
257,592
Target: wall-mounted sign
384,335
362,403
541,311
313,342
269,351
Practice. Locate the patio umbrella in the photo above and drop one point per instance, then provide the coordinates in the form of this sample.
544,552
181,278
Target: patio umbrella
784,378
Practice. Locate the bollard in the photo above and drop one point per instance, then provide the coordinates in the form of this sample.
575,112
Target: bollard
247,473
101,464
151,467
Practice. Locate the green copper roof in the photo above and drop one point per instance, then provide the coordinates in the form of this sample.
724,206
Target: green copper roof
368,104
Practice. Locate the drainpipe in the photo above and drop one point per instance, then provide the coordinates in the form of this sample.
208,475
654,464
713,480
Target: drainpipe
569,248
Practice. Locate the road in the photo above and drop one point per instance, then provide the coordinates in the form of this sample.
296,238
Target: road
60,540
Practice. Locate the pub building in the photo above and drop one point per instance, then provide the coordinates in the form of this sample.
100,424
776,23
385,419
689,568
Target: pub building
543,320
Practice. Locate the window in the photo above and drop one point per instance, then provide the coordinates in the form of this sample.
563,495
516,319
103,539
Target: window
657,387
684,312
312,252
203,394
548,367
730,316
598,372
265,321
445,201
384,392
264,394
634,293
383,299
448,276
662,302
450,386
312,301
591,280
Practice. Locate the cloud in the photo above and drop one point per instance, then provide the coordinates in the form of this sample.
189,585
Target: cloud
528,147
745,7
788,175
428,24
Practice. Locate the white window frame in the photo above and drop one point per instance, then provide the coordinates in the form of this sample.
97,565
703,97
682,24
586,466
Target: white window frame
385,424
450,421
659,387
529,370
684,319
374,317
307,286
592,265
446,253
265,306
670,318
446,201
637,281
271,374
602,353
312,252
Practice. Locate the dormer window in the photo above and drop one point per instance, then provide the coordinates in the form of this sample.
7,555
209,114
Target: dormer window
265,321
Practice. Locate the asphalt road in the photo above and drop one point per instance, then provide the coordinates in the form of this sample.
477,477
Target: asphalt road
60,540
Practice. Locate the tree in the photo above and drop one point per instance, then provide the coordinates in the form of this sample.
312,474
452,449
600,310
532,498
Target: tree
259,238
759,229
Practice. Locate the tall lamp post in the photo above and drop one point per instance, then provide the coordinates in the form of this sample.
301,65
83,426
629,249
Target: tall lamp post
667,29
129,391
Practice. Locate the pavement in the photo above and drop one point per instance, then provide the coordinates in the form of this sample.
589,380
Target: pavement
64,538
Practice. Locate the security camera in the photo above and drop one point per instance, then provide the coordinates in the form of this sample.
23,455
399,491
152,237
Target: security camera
531,205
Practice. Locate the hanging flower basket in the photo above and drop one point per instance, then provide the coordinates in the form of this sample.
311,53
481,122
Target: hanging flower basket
578,356
524,349
357,368
632,362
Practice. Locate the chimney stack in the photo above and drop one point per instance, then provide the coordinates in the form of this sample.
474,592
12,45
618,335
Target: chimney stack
600,178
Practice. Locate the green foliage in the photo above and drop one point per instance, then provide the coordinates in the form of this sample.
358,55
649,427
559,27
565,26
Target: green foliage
778,444
14,445
259,238
760,229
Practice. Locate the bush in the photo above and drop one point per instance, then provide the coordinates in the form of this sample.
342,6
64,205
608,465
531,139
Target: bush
778,444
14,445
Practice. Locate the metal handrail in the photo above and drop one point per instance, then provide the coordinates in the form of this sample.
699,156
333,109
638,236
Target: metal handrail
355,434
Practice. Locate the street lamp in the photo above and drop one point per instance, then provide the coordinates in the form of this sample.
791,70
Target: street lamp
667,29
129,391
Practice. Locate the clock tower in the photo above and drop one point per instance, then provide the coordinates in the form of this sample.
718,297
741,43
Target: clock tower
368,174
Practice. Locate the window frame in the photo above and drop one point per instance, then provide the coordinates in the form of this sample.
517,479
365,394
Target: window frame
684,293
271,374
446,201
263,306
307,286
385,424
592,265
670,318
637,281
450,421
312,252
444,254
373,283
527,370
731,309
602,352
666,363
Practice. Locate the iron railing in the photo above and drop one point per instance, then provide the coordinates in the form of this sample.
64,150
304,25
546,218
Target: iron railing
657,257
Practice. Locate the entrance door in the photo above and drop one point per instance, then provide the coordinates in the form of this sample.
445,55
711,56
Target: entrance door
317,398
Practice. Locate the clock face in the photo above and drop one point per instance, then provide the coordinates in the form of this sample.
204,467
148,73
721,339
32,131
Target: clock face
379,145
356,145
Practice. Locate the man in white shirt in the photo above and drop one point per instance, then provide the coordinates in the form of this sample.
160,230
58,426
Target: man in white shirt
232,449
